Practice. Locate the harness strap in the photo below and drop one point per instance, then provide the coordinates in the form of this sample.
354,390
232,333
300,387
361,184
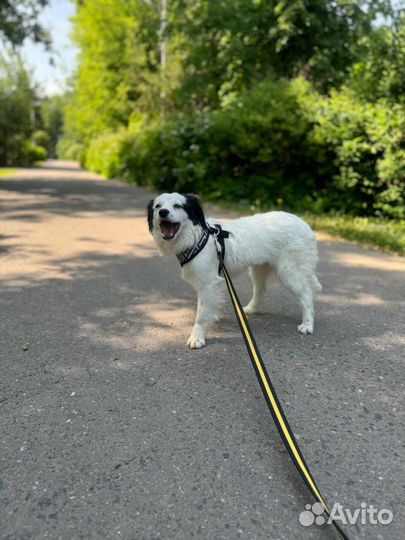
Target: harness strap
219,235
188,255
217,232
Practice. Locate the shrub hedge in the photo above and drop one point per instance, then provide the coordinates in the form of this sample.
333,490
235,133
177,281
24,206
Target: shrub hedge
31,152
277,144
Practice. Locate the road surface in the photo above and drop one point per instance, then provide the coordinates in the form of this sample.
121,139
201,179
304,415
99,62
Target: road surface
112,428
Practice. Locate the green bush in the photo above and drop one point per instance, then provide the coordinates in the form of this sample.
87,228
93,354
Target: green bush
366,144
106,153
40,138
256,149
278,144
69,149
31,152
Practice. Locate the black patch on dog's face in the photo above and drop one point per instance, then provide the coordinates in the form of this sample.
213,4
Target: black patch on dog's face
194,210
150,214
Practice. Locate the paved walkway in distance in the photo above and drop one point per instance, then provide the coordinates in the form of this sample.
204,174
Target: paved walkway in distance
112,428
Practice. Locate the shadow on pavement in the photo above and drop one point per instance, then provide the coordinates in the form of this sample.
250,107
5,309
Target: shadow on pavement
34,197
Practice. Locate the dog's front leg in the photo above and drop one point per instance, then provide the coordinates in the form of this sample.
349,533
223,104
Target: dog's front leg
210,298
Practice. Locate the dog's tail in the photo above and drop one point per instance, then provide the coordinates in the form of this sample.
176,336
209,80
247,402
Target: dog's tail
316,286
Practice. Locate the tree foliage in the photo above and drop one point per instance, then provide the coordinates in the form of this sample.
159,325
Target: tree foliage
21,140
229,44
52,118
17,109
19,20
380,70
118,63
19,104
279,143
297,101
215,50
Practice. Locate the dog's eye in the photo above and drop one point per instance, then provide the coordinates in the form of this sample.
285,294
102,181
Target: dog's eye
157,206
177,206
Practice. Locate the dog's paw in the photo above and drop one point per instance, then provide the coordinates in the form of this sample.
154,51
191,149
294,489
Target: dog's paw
249,310
195,343
305,328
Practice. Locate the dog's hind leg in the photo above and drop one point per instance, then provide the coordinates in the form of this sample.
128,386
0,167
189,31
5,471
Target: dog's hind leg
301,287
259,275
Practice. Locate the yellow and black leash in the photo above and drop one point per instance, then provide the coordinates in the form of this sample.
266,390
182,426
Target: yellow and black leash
271,397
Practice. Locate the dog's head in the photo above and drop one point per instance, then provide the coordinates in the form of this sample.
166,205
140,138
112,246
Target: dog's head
175,221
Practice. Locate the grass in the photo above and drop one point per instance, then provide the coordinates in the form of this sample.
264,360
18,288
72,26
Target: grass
385,234
7,172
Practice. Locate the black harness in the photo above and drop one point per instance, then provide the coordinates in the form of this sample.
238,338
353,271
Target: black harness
217,232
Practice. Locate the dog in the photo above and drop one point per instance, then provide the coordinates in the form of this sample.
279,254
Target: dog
272,245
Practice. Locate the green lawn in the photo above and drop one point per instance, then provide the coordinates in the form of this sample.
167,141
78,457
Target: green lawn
388,235
7,172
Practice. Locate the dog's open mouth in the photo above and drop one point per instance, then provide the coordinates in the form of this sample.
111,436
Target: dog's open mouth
169,229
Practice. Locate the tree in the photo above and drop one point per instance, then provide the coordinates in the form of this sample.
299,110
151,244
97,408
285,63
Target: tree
52,114
229,44
215,50
380,70
17,109
118,69
19,20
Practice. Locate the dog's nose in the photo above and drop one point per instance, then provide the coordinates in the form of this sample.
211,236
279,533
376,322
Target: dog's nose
163,212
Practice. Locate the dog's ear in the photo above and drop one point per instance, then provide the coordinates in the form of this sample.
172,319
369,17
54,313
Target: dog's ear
150,214
195,210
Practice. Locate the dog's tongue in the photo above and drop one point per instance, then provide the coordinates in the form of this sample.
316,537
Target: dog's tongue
168,228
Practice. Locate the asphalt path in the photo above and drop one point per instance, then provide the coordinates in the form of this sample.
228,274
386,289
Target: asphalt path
111,428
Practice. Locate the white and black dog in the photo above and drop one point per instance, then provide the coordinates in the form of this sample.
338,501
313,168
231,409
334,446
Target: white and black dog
275,244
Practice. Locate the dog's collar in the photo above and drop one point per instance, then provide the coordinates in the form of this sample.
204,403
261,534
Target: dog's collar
188,255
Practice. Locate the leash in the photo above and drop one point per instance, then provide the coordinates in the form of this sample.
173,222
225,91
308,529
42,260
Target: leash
270,394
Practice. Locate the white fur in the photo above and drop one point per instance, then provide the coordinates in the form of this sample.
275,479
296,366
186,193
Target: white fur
275,244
